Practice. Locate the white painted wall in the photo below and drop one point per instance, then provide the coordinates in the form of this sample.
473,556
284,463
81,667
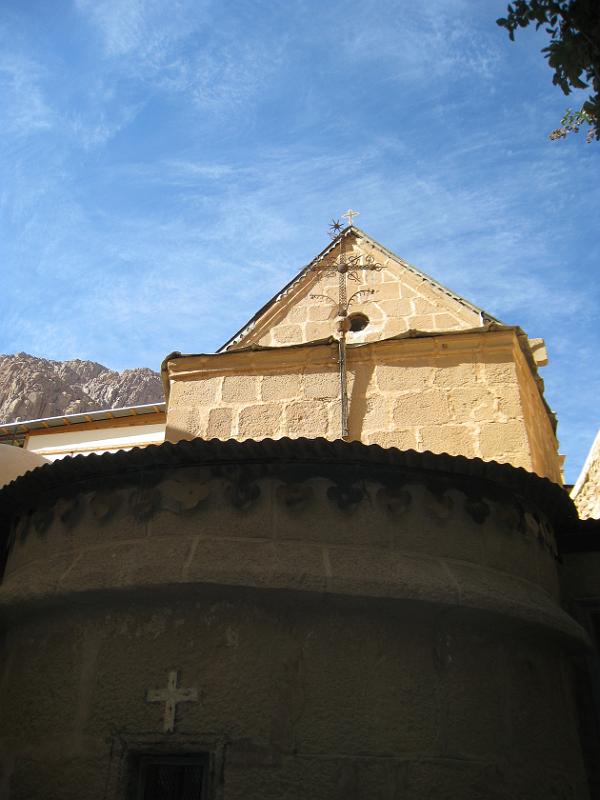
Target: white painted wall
104,440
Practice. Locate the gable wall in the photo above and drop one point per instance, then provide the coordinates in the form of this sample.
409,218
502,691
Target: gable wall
402,300
456,394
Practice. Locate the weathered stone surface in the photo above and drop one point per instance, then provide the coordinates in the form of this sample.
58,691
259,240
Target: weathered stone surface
395,308
255,421
240,388
280,387
423,306
306,419
446,322
376,415
503,437
509,401
453,439
31,387
220,422
320,330
402,439
419,409
457,374
287,334
298,313
422,322
321,313
500,373
404,378
325,385
586,492
472,402
344,623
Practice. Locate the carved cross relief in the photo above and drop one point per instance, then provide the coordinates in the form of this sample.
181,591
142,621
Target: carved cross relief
171,697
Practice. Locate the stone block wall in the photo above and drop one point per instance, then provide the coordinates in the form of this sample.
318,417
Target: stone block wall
452,401
270,399
543,443
353,627
586,492
402,300
458,394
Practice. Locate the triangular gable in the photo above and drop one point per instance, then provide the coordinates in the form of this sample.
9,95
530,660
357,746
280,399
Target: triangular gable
401,298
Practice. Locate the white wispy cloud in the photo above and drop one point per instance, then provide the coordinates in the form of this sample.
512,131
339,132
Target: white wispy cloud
25,109
143,28
164,178
175,48
418,42
472,236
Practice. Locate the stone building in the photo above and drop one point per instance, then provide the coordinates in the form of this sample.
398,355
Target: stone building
350,572
426,370
586,492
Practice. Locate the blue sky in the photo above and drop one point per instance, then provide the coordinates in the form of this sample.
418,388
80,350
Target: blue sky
167,165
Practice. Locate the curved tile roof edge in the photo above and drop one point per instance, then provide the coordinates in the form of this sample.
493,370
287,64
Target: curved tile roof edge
68,475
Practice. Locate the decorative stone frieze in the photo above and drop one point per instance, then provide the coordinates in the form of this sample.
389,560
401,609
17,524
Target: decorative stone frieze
342,495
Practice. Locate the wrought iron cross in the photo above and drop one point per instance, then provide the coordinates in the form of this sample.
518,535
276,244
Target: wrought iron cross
346,267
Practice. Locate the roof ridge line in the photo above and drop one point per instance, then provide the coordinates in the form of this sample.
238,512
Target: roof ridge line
426,276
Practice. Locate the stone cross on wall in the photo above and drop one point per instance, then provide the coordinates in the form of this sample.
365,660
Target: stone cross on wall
171,696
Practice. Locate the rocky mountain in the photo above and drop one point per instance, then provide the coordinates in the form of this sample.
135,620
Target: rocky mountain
32,387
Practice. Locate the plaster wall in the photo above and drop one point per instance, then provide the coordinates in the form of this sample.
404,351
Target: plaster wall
14,461
458,394
73,442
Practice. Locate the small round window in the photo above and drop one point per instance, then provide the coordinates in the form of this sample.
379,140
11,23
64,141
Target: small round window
357,322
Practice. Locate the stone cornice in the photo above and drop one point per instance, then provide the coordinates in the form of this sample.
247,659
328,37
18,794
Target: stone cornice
342,460
304,515
423,344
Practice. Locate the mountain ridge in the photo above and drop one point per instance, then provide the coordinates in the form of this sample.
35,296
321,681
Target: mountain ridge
32,387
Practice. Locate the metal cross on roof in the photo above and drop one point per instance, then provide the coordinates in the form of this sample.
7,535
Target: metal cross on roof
349,215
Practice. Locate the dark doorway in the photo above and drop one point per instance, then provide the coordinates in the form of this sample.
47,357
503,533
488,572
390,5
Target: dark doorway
172,778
